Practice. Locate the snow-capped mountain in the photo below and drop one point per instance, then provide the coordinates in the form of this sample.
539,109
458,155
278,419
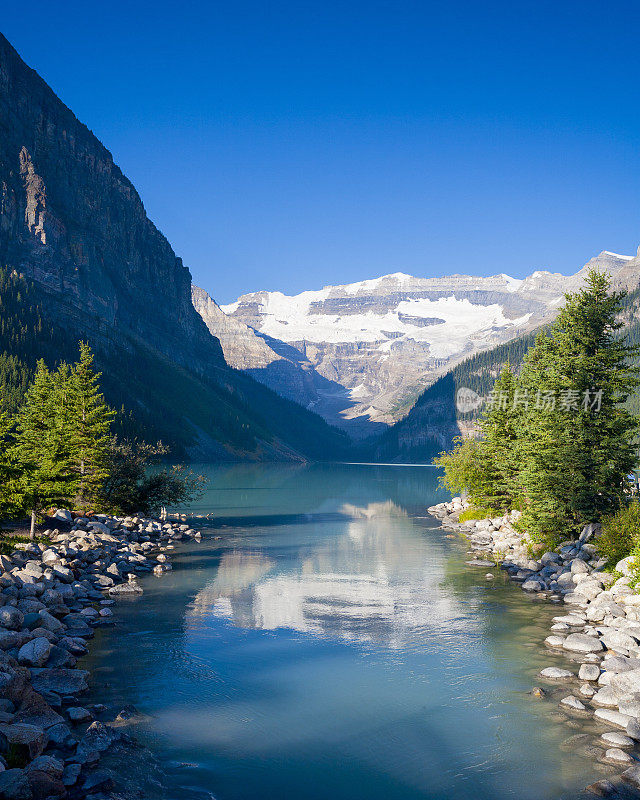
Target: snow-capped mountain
360,353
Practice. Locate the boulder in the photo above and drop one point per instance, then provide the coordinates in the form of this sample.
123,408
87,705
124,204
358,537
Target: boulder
581,643
11,618
612,717
26,741
556,674
589,672
14,785
572,703
61,681
35,653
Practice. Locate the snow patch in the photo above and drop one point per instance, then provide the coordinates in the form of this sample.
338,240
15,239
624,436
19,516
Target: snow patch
617,255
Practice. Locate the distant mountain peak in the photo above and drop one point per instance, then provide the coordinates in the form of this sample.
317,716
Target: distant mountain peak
384,339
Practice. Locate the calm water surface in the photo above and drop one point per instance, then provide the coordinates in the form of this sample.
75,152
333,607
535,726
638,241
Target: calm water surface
326,640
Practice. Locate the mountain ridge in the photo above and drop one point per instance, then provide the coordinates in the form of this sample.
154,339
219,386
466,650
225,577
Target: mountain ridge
380,342
74,229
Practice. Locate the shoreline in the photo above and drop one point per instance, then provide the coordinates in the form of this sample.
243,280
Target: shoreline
599,631
54,594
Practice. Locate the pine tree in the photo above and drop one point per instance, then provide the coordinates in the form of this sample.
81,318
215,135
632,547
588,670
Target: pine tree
39,449
89,424
577,439
499,426
9,471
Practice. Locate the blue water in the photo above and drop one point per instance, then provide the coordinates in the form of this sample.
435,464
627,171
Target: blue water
326,640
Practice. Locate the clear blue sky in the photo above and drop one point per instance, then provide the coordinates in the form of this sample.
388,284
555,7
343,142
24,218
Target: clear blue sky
289,145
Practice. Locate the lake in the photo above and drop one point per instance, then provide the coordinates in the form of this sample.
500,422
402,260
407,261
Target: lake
325,639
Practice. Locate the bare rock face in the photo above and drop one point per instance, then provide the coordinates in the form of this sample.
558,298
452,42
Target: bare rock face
71,220
381,342
280,366
74,227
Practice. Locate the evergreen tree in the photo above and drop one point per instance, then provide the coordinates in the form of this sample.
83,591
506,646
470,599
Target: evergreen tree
577,438
9,471
39,448
499,426
89,423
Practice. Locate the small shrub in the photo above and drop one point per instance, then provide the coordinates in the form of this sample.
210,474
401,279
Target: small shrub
621,534
479,512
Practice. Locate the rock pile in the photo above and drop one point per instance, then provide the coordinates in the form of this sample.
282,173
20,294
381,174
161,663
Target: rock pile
600,629
52,598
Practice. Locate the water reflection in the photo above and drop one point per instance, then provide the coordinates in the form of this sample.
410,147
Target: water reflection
329,641
365,585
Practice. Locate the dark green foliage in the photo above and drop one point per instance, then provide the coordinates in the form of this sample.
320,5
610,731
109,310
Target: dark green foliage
8,470
576,457
88,427
39,448
433,423
224,415
621,534
130,486
562,444
25,337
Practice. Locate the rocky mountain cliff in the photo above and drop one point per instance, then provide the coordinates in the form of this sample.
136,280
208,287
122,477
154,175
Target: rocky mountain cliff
379,343
74,227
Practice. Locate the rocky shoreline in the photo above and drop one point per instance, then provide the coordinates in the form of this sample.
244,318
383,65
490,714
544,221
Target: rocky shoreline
598,633
54,594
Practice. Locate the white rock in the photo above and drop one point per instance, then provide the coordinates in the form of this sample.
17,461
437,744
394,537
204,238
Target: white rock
573,703
589,672
612,717
617,756
556,673
616,739
581,643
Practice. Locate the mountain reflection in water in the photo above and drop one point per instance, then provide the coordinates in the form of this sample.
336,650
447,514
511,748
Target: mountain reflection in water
366,586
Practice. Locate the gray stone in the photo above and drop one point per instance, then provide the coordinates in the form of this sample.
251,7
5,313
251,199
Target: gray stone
27,741
60,735
130,588
616,756
556,673
78,714
71,774
572,703
616,739
612,717
49,622
632,776
589,672
61,681
626,683
633,729
14,785
35,653
48,764
581,643
11,618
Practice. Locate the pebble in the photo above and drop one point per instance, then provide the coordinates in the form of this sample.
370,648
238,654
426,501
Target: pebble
600,629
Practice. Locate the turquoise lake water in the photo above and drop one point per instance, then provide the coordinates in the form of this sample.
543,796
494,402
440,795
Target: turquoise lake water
326,640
